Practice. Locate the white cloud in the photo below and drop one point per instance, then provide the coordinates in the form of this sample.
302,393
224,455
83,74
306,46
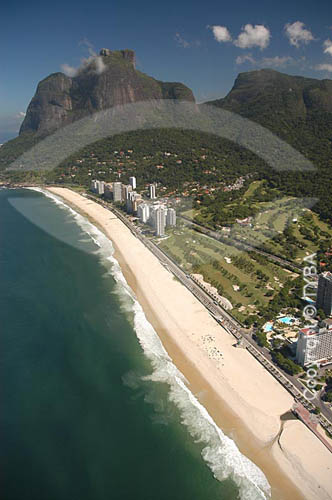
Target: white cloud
92,59
68,70
253,36
324,67
100,66
244,59
297,34
221,34
327,47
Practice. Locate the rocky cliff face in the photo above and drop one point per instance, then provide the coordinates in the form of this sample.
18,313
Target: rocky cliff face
108,80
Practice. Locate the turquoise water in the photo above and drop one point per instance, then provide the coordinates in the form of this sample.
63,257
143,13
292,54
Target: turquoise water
91,406
288,320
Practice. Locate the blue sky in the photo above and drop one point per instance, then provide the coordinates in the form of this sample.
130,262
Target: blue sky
202,44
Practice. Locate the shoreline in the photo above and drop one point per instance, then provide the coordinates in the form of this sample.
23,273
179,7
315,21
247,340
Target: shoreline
245,404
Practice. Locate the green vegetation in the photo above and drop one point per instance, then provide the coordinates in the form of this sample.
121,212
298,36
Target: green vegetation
253,284
286,364
328,389
175,159
221,186
297,110
260,337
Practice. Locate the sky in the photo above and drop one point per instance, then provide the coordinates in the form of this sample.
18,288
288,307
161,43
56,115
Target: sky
202,44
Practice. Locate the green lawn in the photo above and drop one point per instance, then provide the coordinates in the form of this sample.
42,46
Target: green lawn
190,248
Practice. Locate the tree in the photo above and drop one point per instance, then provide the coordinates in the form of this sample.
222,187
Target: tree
261,339
321,314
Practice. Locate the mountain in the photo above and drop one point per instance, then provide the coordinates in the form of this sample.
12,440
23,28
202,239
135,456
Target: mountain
265,91
299,111
296,108
108,80
104,81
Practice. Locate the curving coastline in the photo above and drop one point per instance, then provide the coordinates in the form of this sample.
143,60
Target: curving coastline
244,400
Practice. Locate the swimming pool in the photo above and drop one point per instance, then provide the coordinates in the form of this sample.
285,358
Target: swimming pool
268,327
287,319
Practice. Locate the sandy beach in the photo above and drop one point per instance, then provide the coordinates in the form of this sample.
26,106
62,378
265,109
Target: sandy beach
242,397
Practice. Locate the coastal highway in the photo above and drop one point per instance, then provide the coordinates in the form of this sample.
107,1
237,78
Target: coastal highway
231,325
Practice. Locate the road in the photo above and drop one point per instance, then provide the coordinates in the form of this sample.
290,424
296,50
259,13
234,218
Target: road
231,325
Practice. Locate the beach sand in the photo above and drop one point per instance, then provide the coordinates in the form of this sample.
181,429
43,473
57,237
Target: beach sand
241,396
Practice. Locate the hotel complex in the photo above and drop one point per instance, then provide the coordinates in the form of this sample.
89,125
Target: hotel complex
156,214
315,344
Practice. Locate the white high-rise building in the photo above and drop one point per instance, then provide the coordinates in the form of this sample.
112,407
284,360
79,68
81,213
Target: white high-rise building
117,191
143,212
315,344
97,186
132,202
171,217
132,182
93,186
158,219
152,192
126,189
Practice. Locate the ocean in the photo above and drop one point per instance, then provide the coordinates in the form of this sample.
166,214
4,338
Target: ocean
92,407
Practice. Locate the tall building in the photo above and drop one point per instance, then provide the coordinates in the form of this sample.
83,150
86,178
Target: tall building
324,293
97,186
171,217
143,212
158,219
132,202
132,182
152,191
126,189
315,344
129,204
117,191
108,191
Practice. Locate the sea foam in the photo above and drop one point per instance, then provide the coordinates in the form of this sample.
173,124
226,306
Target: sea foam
219,451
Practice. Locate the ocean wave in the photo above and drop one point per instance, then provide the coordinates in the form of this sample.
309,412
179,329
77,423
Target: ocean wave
219,451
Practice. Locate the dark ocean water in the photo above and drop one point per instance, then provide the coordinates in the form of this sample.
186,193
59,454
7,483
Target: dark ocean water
85,414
